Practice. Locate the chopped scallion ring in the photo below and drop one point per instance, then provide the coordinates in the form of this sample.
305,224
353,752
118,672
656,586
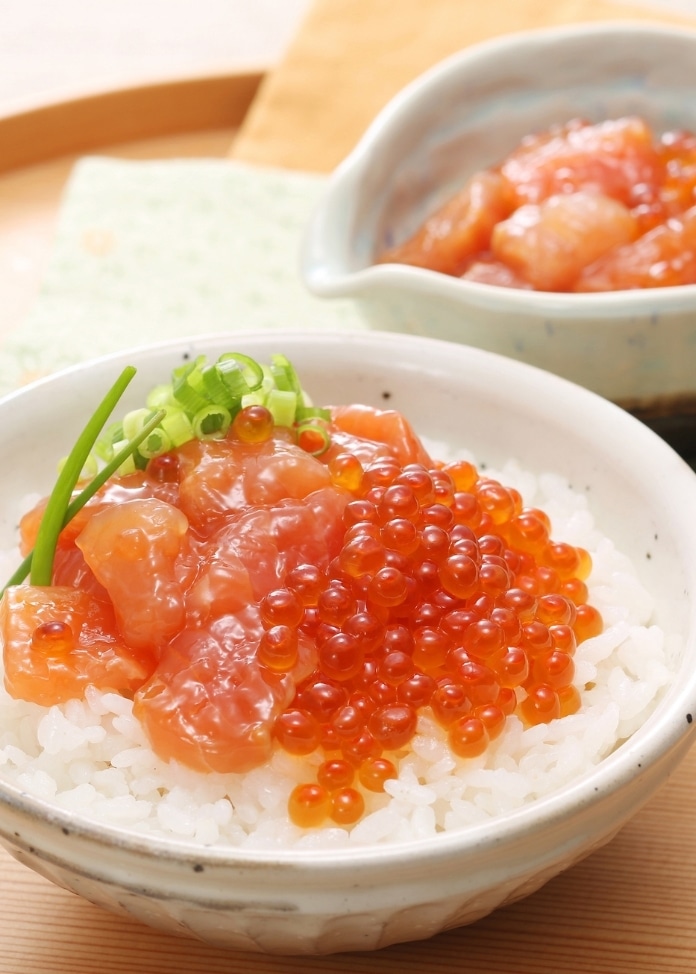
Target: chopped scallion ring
305,413
252,371
285,376
155,444
187,387
211,422
178,427
314,438
134,421
282,405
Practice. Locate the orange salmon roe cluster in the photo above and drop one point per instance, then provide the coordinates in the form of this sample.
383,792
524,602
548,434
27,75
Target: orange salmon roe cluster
447,594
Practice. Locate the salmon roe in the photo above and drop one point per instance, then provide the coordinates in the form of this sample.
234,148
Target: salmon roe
53,639
447,594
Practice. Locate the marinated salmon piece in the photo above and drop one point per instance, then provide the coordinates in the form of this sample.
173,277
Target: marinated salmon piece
132,548
663,257
127,487
677,151
494,272
70,568
549,244
616,158
251,555
677,191
368,432
280,472
210,481
221,586
222,478
58,640
461,228
210,705
31,521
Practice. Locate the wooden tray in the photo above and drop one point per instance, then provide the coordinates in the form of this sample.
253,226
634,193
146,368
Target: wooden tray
628,908
38,147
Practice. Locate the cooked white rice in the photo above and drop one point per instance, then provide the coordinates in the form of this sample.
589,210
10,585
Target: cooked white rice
91,757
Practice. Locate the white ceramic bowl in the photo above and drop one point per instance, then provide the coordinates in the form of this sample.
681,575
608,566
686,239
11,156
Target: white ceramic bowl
364,898
468,113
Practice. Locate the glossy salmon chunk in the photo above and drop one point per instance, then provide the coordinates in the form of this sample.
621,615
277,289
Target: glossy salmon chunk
663,257
549,244
458,230
616,158
58,640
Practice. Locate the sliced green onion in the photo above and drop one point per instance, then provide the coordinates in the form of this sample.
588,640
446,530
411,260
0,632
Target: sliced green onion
88,471
104,446
134,421
253,399
53,517
187,388
155,444
178,427
88,492
129,465
160,397
282,405
304,413
216,389
225,383
285,376
211,422
314,438
251,370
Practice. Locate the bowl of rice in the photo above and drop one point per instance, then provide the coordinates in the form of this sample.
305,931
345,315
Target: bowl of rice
87,801
532,195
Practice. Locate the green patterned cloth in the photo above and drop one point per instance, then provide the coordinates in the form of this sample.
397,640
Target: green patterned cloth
147,251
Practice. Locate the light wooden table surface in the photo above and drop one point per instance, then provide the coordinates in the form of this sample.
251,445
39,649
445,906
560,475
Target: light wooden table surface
631,907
